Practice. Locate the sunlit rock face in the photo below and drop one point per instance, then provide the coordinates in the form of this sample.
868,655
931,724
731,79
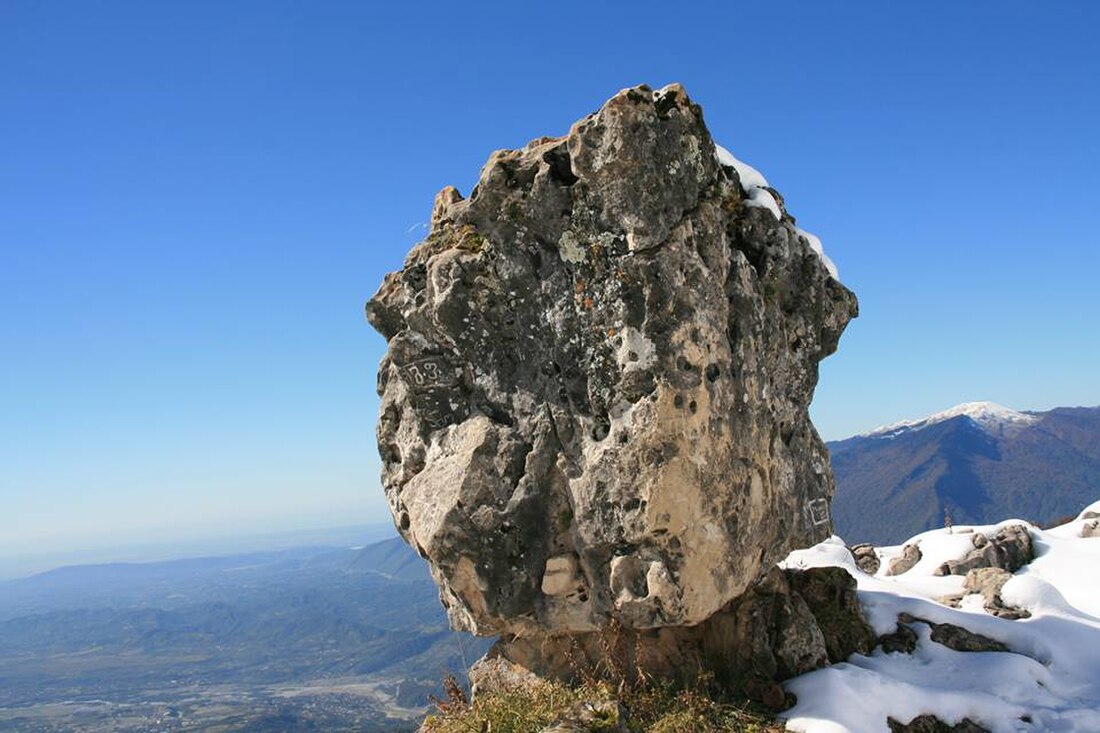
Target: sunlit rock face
594,400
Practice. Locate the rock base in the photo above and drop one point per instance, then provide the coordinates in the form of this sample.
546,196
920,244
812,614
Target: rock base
790,623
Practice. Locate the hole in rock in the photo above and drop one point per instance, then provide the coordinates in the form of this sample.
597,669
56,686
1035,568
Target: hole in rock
561,167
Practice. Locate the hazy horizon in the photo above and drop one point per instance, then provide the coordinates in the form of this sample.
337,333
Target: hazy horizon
210,544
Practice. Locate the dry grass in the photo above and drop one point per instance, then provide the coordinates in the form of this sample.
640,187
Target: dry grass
652,708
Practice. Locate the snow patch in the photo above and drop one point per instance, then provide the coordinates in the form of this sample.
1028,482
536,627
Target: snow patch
753,183
1051,673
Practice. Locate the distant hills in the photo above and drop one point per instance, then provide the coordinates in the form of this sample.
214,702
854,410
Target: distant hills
979,461
41,558
311,638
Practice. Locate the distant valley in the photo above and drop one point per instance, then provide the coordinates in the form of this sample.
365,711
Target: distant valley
305,639
976,463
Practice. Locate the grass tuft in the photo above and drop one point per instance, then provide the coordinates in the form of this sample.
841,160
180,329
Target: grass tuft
650,708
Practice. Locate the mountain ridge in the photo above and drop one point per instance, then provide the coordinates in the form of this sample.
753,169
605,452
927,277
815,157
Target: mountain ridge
987,415
974,463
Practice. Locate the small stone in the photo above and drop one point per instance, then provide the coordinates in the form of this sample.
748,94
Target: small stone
903,563
767,693
903,640
866,558
964,640
988,582
952,599
931,724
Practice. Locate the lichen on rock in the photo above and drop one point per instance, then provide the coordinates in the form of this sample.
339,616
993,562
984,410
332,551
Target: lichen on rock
595,395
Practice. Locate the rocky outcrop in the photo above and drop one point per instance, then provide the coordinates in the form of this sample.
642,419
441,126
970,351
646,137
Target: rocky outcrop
1009,549
594,399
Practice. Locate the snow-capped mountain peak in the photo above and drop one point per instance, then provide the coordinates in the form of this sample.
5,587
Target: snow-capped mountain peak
989,416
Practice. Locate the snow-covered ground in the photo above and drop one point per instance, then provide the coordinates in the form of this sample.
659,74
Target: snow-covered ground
1049,681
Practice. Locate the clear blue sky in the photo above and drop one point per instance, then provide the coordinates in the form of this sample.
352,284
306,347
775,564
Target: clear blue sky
196,198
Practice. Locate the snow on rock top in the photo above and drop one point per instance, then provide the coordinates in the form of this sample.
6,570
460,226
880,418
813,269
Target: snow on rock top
755,187
751,179
1048,680
815,245
989,416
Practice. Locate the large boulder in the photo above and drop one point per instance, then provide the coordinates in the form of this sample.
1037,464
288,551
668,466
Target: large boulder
594,399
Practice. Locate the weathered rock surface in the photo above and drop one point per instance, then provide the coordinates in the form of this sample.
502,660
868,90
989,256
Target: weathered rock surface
906,561
866,558
790,623
1009,549
594,400
830,595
